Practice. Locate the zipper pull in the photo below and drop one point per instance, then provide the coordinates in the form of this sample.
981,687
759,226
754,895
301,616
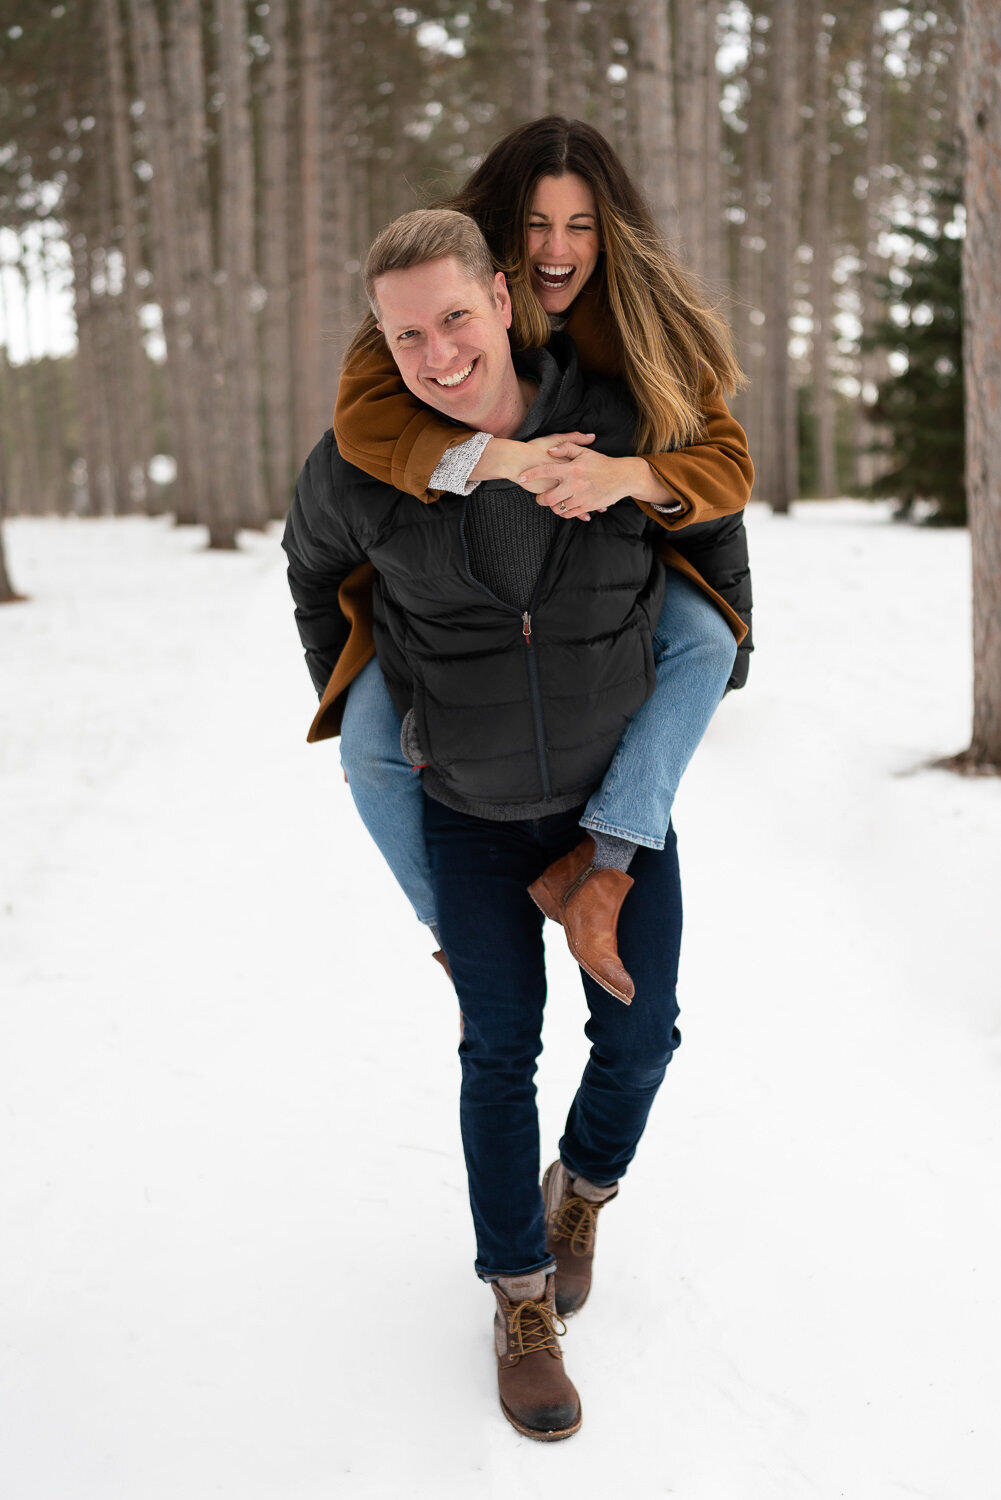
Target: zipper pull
526,627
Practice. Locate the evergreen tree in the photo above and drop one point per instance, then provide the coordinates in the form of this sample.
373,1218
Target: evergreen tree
921,409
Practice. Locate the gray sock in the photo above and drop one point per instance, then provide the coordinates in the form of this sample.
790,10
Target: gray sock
433,927
611,853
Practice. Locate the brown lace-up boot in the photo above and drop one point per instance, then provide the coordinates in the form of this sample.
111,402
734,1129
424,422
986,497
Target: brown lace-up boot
586,902
536,1394
571,1224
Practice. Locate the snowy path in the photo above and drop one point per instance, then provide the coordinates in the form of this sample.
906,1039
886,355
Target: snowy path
235,1256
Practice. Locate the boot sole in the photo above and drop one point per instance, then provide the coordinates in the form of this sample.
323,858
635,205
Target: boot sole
549,908
542,1437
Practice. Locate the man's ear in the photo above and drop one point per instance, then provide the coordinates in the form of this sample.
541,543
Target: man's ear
502,297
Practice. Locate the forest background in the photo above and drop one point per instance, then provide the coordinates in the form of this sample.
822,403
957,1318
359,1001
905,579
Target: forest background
188,187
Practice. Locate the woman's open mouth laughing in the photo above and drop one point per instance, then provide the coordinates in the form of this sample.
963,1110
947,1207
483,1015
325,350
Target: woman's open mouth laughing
555,278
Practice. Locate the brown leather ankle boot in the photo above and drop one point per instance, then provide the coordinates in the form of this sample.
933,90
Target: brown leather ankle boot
536,1394
571,1225
587,903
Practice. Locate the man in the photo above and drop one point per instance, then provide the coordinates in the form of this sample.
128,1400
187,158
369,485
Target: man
515,648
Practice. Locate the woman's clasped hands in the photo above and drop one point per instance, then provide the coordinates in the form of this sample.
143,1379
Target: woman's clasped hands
571,478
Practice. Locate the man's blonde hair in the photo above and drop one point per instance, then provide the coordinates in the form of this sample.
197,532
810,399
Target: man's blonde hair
427,234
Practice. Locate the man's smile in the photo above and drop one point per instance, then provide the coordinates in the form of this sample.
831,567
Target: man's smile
452,382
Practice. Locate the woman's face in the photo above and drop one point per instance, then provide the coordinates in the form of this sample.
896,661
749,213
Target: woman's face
563,239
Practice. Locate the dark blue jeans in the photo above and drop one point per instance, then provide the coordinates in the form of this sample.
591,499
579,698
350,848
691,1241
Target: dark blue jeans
492,932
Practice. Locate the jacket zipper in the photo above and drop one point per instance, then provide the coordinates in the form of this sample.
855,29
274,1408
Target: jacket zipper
535,698
534,687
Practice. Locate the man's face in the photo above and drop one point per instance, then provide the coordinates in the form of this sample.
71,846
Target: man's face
448,335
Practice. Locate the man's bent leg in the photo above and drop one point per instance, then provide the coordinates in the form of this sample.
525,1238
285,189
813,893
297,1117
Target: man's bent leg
492,933
385,787
630,1048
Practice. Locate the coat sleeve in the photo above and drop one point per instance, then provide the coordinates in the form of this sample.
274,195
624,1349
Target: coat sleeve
711,477
322,550
382,428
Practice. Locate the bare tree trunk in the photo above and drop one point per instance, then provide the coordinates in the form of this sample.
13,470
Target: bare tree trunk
181,396
820,266
566,61
748,404
652,90
311,400
339,102
8,595
601,102
136,411
109,343
54,457
691,86
778,395
236,233
712,264
981,121
530,58
873,361
217,437
277,333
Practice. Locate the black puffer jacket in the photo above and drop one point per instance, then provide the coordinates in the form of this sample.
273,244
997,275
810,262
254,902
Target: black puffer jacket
513,709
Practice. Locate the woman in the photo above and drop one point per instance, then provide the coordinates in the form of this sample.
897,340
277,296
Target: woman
579,251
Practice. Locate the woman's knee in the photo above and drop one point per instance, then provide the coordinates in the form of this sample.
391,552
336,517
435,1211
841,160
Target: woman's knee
370,735
692,626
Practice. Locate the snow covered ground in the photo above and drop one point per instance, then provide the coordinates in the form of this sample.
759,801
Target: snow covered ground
235,1253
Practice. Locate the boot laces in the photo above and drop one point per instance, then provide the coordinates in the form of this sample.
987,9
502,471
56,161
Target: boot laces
576,1222
534,1327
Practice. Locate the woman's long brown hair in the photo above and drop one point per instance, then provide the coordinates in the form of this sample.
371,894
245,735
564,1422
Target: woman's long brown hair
674,344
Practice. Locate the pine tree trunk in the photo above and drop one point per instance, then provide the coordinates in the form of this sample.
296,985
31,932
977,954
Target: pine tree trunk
530,69
601,102
748,404
339,102
58,423
820,267
236,233
180,394
712,265
652,92
311,415
566,63
136,411
690,90
274,233
29,433
779,409
981,121
217,437
8,595
113,402
873,361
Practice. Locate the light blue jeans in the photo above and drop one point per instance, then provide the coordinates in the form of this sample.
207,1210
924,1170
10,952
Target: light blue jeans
693,650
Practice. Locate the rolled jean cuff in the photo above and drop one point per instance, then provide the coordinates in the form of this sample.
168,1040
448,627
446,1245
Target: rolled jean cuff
547,1265
646,840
